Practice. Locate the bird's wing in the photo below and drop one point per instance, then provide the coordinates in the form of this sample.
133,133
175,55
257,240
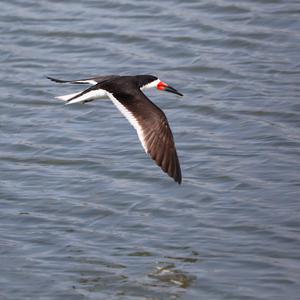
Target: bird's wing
92,80
152,128
90,94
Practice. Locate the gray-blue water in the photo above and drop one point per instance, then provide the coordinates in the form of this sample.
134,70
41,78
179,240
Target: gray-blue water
85,214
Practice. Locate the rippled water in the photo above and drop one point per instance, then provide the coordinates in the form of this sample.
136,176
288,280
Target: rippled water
84,214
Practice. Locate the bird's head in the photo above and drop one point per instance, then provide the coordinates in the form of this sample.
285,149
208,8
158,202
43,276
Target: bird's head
149,81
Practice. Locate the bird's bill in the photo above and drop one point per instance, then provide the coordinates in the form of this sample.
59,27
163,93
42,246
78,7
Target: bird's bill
172,90
165,87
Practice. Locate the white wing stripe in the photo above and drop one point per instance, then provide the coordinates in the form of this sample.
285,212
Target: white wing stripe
89,81
91,95
67,97
132,120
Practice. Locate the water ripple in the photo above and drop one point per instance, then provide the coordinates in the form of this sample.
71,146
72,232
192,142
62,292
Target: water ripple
86,215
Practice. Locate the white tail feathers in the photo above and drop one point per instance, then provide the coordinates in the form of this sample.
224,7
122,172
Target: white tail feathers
91,95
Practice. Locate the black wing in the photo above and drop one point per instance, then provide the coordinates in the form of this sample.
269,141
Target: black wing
153,130
92,80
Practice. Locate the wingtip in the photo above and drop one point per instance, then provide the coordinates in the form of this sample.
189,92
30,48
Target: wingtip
55,79
177,178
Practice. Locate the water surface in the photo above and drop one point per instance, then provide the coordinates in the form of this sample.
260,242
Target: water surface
84,214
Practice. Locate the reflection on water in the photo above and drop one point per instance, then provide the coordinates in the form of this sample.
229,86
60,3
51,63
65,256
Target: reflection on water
169,274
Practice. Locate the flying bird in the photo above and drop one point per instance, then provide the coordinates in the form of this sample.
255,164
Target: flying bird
150,122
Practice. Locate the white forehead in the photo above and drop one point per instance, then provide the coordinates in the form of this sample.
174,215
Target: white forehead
151,84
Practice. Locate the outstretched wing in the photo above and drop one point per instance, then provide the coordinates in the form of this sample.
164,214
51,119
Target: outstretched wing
92,80
90,94
152,128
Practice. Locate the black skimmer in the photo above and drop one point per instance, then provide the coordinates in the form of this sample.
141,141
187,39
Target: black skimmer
150,122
